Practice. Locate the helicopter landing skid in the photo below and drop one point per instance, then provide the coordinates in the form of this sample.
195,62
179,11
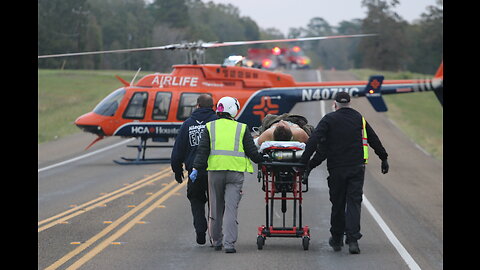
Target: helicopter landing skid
140,159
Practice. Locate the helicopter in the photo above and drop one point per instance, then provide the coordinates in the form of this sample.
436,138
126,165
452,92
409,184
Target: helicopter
157,104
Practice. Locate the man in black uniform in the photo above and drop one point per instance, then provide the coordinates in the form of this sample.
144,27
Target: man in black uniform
341,137
184,150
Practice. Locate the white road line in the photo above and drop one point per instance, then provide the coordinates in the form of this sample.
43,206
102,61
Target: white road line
322,102
393,239
84,156
322,107
376,216
414,143
319,75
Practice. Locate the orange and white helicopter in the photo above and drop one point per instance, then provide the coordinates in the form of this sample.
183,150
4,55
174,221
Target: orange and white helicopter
156,105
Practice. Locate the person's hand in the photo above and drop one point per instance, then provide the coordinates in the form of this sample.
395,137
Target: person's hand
385,166
179,177
193,175
306,173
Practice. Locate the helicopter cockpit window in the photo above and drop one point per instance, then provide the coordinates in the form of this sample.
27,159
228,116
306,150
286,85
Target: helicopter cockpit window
137,105
162,105
188,102
109,105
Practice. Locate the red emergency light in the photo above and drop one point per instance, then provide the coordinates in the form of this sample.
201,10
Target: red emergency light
296,49
276,51
266,63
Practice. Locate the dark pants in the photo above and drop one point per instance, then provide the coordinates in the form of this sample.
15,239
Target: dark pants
346,189
197,194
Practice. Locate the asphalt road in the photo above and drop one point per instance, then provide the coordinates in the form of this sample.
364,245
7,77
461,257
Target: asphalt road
95,214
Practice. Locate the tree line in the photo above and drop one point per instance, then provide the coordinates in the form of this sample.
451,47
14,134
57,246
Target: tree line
93,25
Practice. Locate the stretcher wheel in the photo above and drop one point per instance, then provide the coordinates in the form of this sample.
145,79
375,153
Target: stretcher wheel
260,242
305,242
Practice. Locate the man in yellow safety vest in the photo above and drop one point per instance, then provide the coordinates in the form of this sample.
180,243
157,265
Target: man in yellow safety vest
342,137
225,149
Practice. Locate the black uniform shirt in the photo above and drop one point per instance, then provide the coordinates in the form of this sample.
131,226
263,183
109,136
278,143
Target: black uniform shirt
338,138
188,137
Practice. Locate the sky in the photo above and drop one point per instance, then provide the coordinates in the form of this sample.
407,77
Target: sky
283,14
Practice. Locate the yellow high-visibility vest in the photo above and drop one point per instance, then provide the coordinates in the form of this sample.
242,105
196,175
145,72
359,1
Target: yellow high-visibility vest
364,140
226,146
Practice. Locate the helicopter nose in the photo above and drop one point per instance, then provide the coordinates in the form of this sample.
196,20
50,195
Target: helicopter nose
89,123
92,129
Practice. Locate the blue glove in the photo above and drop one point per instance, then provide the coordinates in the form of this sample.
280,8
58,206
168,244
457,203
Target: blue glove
193,175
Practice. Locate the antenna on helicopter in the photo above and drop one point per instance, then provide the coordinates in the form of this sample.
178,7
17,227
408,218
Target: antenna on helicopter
134,77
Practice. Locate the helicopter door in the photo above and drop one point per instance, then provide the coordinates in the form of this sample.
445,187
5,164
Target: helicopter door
188,102
161,106
136,107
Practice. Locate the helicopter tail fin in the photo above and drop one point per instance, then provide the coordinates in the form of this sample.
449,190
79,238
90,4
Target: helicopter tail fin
437,83
373,93
439,73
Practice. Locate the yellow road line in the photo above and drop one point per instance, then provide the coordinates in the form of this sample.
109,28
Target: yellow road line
101,203
104,196
112,226
109,197
97,249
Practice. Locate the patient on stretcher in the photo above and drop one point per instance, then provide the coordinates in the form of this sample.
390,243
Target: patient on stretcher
283,137
282,131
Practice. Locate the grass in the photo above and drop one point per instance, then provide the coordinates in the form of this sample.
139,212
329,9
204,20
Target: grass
419,115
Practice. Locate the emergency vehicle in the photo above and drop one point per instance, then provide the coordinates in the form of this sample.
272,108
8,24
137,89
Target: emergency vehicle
289,58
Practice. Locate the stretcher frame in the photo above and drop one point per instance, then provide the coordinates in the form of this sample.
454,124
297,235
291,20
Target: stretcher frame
282,181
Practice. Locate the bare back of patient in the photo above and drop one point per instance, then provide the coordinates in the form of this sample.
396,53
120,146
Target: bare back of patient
283,128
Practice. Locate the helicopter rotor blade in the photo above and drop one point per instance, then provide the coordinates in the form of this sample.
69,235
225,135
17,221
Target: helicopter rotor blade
166,47
202,45
235,43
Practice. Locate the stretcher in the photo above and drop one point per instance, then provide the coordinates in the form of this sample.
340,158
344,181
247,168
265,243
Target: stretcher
283,180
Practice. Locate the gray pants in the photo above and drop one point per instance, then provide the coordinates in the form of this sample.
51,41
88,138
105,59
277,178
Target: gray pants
225,192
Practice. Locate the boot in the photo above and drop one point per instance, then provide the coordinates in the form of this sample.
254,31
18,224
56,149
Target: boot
230,250
353,247
201,238
336,242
